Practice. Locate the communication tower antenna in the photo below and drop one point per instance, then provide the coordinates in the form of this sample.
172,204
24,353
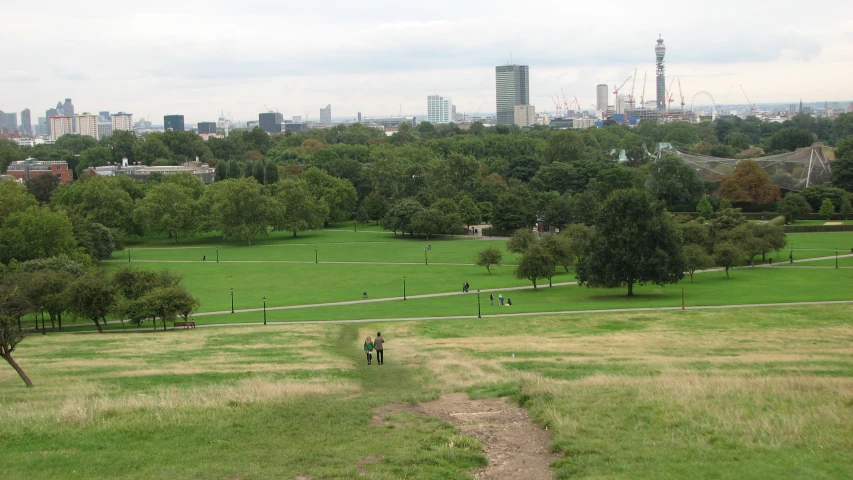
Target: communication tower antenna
682,98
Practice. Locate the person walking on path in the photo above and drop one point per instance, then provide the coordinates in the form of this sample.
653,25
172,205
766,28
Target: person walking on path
501,299
368,349
204,258
378,344
492,299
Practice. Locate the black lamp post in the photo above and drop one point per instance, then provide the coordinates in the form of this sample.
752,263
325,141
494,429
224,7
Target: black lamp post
404,288
128,255
217,254
43,330
478,304
426,259
232,299
265,309
836,258
791,256
316,257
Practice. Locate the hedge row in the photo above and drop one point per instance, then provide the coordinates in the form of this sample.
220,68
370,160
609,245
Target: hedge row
817,228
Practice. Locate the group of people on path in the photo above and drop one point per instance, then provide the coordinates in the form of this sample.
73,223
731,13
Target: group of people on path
375,344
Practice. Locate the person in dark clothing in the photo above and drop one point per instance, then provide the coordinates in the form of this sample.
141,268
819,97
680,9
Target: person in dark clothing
492,298
378,344
204,258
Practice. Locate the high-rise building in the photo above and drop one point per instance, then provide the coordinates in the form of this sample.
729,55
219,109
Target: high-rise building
3,122
121,121
359,117
524,115
326,115
206,127
11,121
601,97
68,110
173,122
26,123
42,127
60,125
660,74
104,116
270,122
105,129
512,84
438,109
87,124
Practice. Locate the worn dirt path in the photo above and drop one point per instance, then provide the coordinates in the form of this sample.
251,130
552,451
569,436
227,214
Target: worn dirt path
516,448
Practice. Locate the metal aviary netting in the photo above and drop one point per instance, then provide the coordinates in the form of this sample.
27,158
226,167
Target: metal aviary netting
790,171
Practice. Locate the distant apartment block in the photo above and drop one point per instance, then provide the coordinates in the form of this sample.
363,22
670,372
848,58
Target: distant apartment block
270,122
326,115
439,109
11,121
389,122
30,168
206,127
173,122
61,125
122,121
87,124
524,115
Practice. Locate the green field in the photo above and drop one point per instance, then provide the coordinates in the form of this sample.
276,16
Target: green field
743,393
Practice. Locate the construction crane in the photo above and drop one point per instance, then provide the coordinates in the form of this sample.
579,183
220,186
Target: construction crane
643,95
631,96
565,102
557,105
616,92
667,96
682,98
751,105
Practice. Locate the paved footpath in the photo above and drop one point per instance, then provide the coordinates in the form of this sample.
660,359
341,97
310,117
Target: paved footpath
528,314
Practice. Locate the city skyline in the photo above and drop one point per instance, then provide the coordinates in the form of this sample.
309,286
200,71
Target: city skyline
396,55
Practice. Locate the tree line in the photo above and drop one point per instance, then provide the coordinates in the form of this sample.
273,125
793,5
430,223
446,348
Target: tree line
61,286
655,246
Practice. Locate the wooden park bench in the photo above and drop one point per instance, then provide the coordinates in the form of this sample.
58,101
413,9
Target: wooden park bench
190,324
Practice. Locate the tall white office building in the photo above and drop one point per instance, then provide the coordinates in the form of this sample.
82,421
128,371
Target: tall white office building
87,124
326,115
439,109
512,84
601,97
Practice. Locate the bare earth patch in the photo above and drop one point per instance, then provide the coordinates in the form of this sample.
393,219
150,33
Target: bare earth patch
516,448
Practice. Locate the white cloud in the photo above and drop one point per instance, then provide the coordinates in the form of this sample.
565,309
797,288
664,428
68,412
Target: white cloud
200,56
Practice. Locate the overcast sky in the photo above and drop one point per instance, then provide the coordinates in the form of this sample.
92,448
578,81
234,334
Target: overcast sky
380,57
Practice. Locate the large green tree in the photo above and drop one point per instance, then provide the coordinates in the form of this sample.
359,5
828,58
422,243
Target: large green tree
674,182
535,263
399,216
168,209
635,242
793,205
91,296
338,193
37,232
296,209
14,198
239,208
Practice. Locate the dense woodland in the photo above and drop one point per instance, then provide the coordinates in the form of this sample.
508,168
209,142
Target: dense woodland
433,179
